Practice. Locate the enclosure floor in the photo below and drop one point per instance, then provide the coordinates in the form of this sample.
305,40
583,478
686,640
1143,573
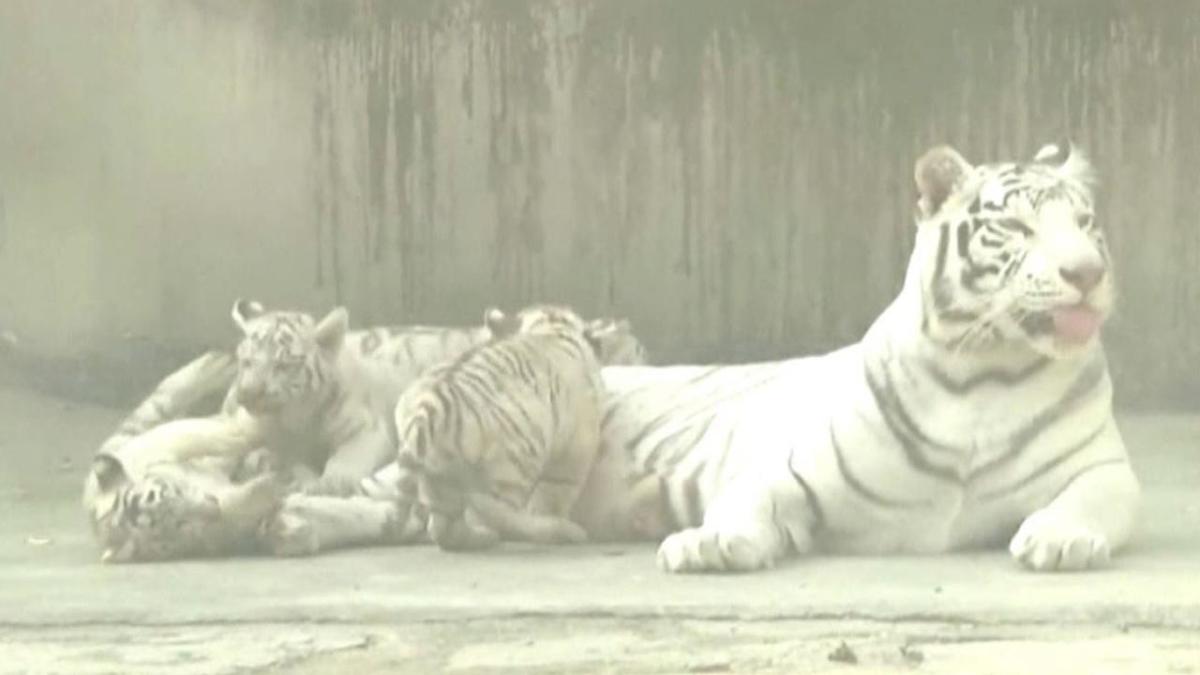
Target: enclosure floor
586,609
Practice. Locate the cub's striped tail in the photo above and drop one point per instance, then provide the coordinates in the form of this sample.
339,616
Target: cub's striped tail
202,380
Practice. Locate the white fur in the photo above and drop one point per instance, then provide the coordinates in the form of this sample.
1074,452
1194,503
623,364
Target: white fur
1042,459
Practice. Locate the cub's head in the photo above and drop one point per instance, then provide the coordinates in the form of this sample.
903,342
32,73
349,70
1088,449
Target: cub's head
1011,253
146,518
615,343
612,339
284,357
172,510
533,319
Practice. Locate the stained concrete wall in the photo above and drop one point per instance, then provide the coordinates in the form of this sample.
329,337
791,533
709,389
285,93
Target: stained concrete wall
734,176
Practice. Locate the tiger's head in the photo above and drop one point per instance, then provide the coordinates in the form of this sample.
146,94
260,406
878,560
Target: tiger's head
172,510
612,339
615,343
1011,253
146,517
286,359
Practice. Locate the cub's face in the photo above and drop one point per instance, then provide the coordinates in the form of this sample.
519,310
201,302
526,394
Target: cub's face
172,510
1018,256
284,358
615,343
147,518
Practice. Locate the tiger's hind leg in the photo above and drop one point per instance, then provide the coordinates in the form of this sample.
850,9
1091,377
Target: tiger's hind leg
453,526
756,521
518,525
307,524
559,486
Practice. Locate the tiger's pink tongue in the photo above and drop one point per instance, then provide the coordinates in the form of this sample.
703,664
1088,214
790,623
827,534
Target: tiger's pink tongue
1077,324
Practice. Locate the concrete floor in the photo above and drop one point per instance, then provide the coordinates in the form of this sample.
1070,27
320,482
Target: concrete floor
586,609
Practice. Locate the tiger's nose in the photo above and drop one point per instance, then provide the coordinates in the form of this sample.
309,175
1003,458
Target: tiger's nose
1083,277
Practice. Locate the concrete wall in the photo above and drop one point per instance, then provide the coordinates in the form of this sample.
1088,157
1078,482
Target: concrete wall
735,177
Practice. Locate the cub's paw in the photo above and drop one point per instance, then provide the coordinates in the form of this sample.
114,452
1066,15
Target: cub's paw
460,533
1049,542
288,535
706,550
257,462
405,522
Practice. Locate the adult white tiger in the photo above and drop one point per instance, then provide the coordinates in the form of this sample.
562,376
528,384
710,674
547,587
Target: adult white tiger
976,405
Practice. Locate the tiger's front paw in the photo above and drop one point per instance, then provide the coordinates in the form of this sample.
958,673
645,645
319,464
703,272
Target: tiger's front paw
1050,542
288,535
707,550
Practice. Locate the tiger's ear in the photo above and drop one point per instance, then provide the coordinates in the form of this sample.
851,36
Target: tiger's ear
119,554
499,323
331,330
1053,154
109,472
602,327
245,311
939,172
1067,160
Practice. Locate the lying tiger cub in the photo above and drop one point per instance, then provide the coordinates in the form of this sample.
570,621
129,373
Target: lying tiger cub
163,487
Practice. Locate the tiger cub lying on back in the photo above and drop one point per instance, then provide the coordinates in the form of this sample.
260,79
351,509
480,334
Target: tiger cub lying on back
508,432
163,487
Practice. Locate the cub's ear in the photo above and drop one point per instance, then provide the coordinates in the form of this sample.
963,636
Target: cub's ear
499,323
1067,160
1054,154
244,311
331,330
939,172
598,326
605,327
109,472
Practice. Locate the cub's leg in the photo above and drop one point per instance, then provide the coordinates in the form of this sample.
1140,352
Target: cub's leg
453,526
307,524
470,513
519,525
1091,518
558,488
641,514
759,518
380,509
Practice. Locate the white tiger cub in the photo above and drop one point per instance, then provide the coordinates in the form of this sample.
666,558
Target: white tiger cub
977,405
170,485
165,487
508,431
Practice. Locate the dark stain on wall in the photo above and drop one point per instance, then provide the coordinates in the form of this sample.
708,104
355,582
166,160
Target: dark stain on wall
734,176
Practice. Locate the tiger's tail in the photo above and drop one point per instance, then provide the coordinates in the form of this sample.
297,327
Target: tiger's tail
178,395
